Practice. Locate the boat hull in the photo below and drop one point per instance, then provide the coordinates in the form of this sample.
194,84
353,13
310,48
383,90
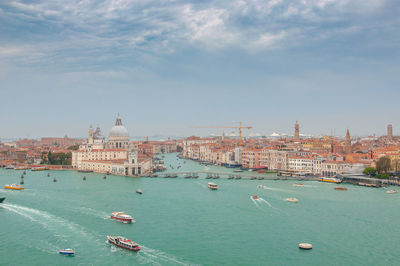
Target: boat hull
2,199
14,188
125,220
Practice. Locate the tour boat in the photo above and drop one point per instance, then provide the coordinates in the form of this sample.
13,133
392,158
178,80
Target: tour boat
298,185
139,191
254,197
67,251
340,188
305,246
14,186
122,216
212,186
42,168
329,180
292,200
2,199
392,191
123,242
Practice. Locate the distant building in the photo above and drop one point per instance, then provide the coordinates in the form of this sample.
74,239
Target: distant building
297,131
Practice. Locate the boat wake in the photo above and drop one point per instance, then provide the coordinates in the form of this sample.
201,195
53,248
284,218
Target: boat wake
89,211
52,223
260,201
157,257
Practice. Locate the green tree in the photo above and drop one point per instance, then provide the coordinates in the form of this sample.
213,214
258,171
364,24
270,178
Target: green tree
383,165
369,171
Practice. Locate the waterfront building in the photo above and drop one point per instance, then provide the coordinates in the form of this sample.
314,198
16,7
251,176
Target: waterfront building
115,156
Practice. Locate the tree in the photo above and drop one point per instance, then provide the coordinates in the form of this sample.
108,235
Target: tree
369,171
383,165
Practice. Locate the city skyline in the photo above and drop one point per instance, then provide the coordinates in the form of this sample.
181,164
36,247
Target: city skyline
166,66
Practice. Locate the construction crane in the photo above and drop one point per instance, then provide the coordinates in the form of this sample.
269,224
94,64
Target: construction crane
240,127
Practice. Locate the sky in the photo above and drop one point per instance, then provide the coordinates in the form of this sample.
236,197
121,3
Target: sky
166,66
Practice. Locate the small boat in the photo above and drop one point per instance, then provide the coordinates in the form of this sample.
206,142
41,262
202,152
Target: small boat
139,191
195,176
262,186
392,191
24,172
48,174
238,177
122,216
9,167
104,177
238,171
212,186
54,179
253,178
22,176
216,177
187,176
231,177
340,188
254,197
292,200
66,251
260,178
14,186
2,199
154,175
298,185
123,242
84,178
22,182
305,246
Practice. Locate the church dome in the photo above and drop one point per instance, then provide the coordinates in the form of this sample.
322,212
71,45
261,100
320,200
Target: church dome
119,130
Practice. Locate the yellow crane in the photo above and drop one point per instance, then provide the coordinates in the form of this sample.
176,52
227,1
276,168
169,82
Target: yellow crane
240,127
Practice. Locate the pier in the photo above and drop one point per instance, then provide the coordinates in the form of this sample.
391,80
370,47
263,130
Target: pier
229,175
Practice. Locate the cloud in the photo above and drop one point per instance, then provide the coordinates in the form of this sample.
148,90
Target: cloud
78,29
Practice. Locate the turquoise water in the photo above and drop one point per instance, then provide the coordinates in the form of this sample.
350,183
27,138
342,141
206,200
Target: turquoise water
181,222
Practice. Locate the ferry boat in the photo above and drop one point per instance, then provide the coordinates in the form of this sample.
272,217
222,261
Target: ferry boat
67,251
329,180
123,242
122,216
14,186
212,186
340,188
392,191
42,168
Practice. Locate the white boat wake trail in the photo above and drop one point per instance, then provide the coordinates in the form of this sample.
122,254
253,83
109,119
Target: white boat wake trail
157,257
50,222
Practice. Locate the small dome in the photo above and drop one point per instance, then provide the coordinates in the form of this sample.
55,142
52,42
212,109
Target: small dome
119,131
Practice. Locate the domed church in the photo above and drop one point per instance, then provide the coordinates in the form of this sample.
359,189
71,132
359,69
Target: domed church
119,136
115,156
